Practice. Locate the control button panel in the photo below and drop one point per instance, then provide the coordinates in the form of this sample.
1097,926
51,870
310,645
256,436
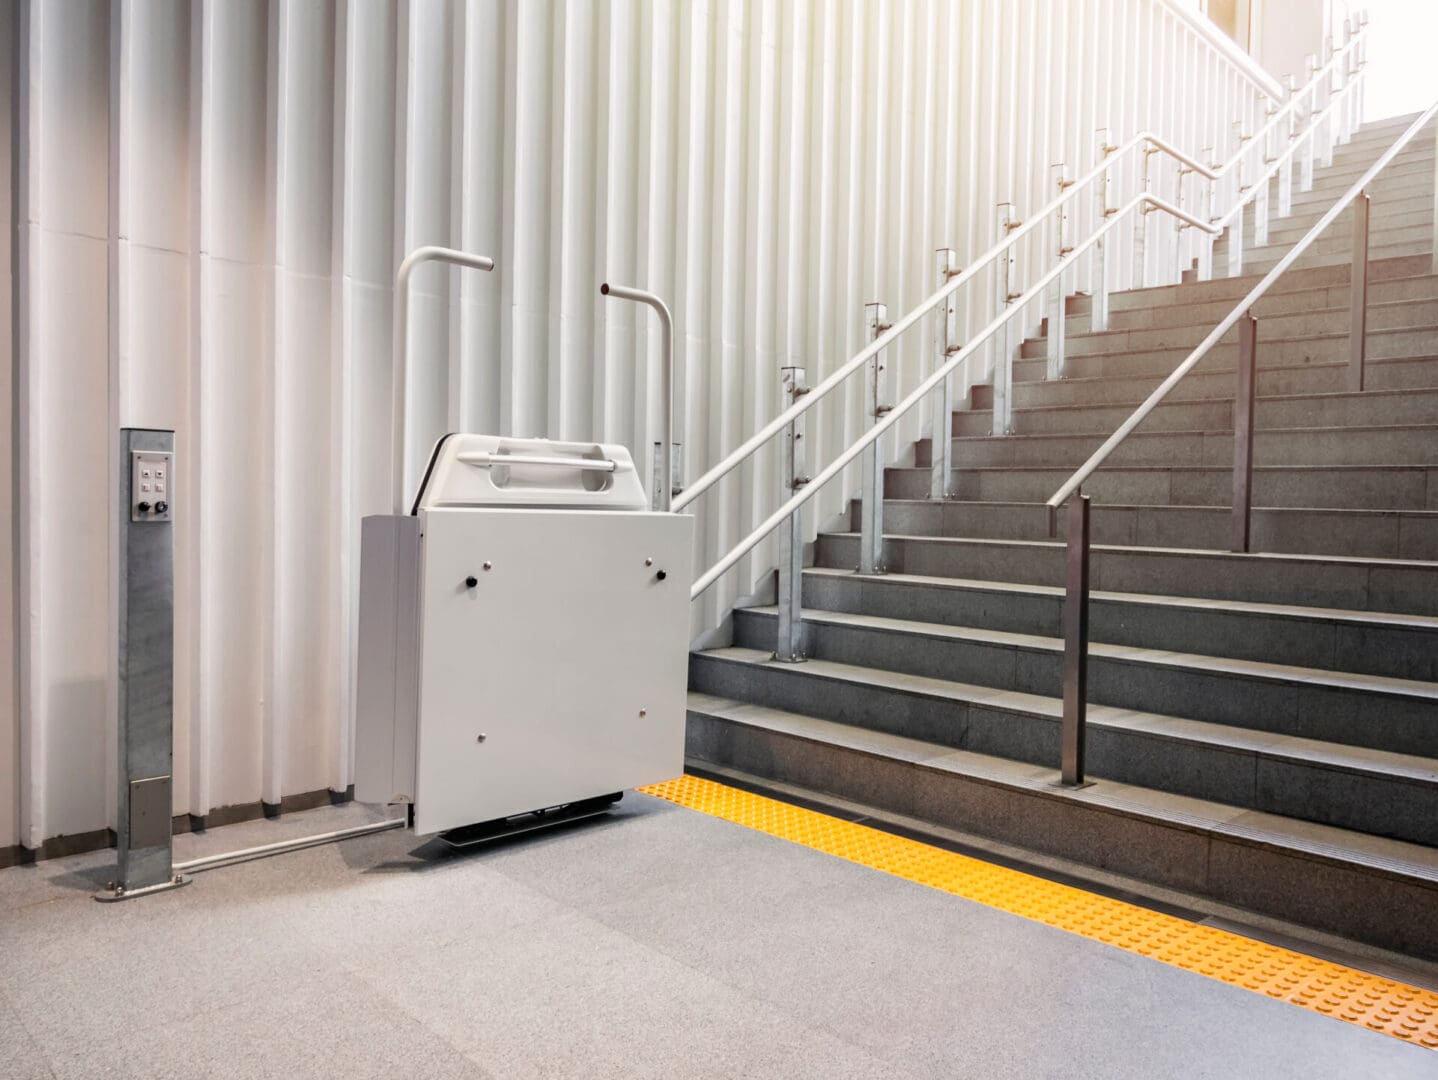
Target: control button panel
152,485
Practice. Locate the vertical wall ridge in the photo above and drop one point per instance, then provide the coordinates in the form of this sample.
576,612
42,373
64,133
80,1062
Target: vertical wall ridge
210,200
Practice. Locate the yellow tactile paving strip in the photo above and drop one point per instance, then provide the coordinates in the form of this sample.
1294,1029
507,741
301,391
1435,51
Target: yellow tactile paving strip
1404,1012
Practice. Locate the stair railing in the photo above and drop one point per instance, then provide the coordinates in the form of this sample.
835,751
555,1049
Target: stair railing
1075,619
996,260
806,488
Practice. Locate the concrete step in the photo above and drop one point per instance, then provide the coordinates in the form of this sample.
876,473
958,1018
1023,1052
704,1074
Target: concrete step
1334,244
1384,221
1280,301
1316,875
1296,379
1372,643
1261,264
1364,726
1410,166
1387,187
1400,343
1386,445
1382,319
1377,534
1354,487
1327,581
1234,289
1371,408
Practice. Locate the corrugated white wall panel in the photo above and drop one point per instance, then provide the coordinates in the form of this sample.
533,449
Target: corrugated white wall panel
213,199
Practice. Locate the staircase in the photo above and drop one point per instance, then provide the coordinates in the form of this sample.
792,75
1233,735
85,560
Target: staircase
1263,729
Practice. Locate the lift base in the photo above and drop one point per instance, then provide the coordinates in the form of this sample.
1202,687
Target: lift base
113,892
468,836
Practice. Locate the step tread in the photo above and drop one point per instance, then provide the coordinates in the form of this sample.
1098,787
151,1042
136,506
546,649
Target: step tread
1321,842
1080,335
1194,431
1215,508
1357,618
1245,669
1147,549
1264,342
1082,381
1225,469
1323,395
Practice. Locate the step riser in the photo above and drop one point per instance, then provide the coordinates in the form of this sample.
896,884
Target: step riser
1326,644
1328,378
1416,212
1283,352
1234,289
1377,535
1261,264
1348,900
1359,489
1409,590
1337,410
1335,240
1386,226
1309,324
1209,313
1412,182
1312,712
1371,802
1309,449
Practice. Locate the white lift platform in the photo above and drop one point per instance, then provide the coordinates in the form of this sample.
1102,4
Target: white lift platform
523,638
523,635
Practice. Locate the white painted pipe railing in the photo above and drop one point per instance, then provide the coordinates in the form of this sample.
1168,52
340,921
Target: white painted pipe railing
417,257
1137,205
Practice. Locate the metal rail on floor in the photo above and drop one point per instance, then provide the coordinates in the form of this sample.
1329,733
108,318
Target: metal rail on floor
1076,601
229,858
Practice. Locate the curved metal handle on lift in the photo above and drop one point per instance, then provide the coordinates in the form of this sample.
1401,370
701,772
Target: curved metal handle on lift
428,253
665,484
494,461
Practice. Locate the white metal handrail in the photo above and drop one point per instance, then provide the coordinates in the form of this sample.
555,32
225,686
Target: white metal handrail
1075,617
1141,413
1145,141
428,253
1149,138
795,502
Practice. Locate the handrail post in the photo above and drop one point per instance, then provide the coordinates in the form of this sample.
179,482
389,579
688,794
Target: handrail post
1056,306
946,343
663,488
1285,170
1350,30
1358,295
1210,198
1330,87
1075,620
789,639
1243,433
400,358
871,508
1235,231
1310,67
1098,317
1003,341
1140,227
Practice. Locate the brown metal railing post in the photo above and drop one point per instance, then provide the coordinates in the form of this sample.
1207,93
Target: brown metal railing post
1243,432
1358,301
1075,719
